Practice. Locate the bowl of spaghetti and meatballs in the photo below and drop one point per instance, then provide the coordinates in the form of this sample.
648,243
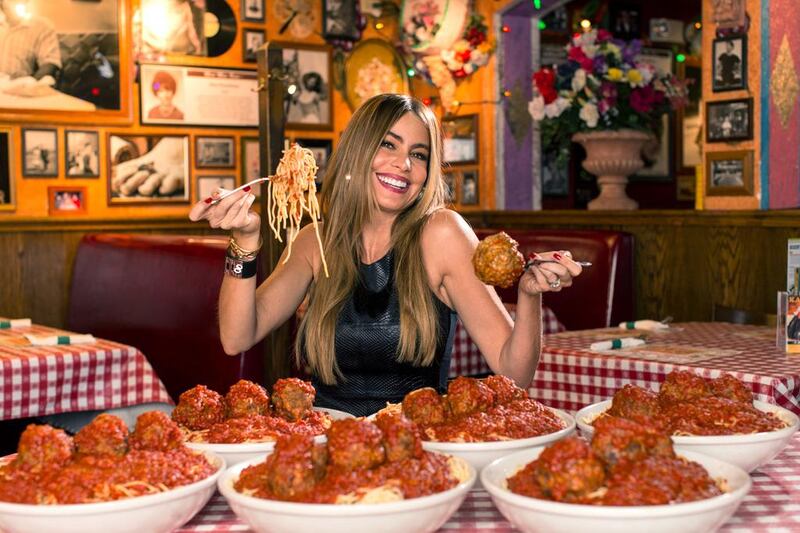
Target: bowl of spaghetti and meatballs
367,476
716,417
245,422
480,420
628,479
105,478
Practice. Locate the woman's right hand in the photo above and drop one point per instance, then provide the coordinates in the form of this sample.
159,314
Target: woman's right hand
232,213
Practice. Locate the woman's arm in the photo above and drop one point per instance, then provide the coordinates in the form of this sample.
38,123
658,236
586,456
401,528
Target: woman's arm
510,348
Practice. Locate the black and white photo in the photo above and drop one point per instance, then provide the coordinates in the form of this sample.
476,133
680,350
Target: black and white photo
460,139
71,59
148,169
82,154
252,41
207,185
469,187
321,148
730,64
729,173
214,152
171,26
308,99
340,20
253,10
729,120
7,199
39,152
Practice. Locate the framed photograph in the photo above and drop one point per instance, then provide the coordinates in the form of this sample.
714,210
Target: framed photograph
689,123
309,70
450,179
727,14
164,96
657,155
81,154
730,63
659,58
729,173
84,49
253,10
148,169
729,120
7,199
625,21
251,162
470,187
322,149
252,40
460,137
340,20
206,185
65,200
214,152
39,152
171,27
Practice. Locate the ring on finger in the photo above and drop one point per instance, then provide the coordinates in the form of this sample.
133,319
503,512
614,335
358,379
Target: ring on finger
556,284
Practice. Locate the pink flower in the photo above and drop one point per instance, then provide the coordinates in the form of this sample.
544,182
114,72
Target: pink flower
643,99
577,54
603,35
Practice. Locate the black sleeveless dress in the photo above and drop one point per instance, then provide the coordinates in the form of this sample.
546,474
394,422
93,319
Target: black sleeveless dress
367,335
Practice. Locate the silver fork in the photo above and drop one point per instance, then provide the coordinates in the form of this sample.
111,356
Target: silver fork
533,262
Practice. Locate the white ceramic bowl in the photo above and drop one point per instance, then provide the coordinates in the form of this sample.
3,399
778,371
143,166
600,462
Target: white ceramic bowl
745,451
415,515
480,454
155,513
238,452
535,515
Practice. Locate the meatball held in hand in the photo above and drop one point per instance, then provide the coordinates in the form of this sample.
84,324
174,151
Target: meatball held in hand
497,260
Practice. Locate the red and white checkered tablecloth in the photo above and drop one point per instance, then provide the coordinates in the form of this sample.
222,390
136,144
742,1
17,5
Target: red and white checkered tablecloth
44,380
466,359
773,505
570,376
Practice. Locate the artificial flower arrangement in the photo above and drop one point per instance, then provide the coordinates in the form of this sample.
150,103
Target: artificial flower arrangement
470,52
601,86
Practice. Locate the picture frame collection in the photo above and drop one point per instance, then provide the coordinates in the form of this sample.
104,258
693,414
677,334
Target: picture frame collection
729,172
145,167
460,137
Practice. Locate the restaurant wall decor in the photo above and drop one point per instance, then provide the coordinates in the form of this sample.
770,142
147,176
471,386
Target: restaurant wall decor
66,200
729,173
81,154
7,198
148,169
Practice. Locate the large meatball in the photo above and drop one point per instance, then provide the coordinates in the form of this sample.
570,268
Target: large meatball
293,398
43,447
682,386
727,386
355,443
468,395
246,398
105,435
155,431
634,402
504,388
497,260
199,408
295,466
616,439
425,407
401,438
568,470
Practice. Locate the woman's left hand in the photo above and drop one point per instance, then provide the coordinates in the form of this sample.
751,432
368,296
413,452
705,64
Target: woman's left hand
555,271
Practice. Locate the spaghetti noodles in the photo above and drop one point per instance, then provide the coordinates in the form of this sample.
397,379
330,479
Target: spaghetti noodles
290,193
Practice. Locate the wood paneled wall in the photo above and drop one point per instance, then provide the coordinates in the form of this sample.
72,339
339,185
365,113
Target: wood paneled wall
685,261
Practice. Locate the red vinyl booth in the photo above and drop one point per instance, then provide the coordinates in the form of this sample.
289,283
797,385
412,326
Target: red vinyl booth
159,294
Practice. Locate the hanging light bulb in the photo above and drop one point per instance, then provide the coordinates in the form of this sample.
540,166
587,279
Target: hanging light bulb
586,24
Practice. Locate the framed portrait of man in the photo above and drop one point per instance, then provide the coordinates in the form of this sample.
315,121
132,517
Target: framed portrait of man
308,102
71,67
730,63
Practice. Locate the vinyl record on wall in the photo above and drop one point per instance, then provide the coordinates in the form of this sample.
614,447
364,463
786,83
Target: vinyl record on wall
220,27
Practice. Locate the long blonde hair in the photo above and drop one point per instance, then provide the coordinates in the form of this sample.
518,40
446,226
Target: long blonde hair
347,206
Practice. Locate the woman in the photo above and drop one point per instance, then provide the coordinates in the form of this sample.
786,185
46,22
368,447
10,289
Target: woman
400,268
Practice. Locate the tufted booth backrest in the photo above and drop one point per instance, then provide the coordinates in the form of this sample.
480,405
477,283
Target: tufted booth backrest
603,294
159,294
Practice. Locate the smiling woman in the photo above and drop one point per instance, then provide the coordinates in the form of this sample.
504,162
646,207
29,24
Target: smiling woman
389,317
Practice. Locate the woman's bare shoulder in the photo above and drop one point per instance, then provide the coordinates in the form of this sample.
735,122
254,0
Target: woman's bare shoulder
445,227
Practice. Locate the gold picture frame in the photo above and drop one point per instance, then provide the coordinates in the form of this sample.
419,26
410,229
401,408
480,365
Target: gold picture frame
729,173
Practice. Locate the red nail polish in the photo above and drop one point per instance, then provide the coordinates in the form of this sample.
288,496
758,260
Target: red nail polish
557,256
533,256
209,200
246,188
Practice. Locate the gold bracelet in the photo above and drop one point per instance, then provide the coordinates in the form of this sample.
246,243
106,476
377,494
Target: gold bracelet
238,252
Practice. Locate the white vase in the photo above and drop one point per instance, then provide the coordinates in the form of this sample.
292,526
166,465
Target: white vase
612,156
